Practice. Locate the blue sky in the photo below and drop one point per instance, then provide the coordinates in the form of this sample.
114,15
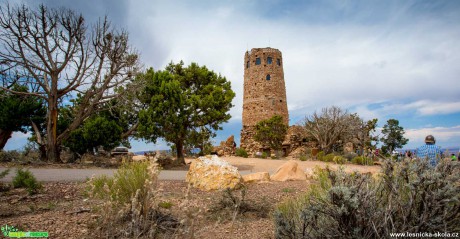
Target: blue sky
380,59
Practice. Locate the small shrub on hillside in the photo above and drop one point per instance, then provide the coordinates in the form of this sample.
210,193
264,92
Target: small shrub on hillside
240,152
287,190
9,156
264,155
4,173
303,158
329,157
25,179
409,196
4,187
361,160
320,155
339,160
28,155
165,205
350,156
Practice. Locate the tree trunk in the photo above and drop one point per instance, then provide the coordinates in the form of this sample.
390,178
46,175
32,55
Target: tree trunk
180,153
52,147
4,136
42,149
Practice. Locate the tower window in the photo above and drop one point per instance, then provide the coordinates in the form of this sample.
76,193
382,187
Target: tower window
247,64
278,62
269,60
258,61
267,77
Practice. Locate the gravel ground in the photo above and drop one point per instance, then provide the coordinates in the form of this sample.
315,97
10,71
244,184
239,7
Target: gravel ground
62,209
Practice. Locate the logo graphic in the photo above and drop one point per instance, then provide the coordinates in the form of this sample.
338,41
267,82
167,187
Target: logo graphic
7,229
13,232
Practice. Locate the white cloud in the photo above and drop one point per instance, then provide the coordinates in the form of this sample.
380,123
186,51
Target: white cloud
334,54
434,108
415,108
345,64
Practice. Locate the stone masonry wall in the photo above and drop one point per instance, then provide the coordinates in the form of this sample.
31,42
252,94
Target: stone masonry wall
264,92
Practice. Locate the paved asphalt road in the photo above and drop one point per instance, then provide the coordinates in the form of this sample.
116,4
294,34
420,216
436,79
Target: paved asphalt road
67,174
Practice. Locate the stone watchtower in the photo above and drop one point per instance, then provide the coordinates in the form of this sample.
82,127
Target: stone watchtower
264,92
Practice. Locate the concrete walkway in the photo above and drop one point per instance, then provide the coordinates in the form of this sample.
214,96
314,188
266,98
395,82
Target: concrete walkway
79,175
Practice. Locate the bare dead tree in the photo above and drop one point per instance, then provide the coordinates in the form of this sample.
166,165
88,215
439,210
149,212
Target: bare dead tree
55,51
335,126
360,132
327,127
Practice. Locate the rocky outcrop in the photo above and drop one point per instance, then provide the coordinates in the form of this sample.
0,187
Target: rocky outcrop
299,152
293,140
289,172
247,140
226,148
256,177
212,173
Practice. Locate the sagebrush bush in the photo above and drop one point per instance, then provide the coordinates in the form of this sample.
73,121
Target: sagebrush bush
130,203
25,179
240,152
409,196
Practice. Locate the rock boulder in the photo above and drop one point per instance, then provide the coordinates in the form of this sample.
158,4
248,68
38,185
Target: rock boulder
212,173
289,172
256,177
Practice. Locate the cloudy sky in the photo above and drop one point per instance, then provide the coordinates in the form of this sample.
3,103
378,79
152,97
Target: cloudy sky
380,59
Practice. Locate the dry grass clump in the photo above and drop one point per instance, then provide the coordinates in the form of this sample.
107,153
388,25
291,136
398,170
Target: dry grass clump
406,197
130,206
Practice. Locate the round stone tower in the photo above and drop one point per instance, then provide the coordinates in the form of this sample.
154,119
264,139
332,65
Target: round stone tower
264,92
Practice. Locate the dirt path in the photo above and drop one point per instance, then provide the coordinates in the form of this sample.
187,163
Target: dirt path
270,165
245,166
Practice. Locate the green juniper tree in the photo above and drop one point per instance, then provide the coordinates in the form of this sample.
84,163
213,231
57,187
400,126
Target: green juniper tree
108,128
96,131
18,112
271,132
181,100
393,136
